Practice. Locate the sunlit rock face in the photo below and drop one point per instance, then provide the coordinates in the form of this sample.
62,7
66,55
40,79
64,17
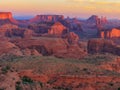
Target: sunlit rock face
113,33
7,18
57,29
5,15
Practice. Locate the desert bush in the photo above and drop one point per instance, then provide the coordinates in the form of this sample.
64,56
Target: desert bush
26,80
5,69
119,88
41,84
18,87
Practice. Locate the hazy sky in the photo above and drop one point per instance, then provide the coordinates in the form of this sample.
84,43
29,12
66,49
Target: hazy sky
76,8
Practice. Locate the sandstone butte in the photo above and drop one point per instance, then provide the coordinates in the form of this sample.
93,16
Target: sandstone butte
48,18
57,29
8,16
5,15
113,33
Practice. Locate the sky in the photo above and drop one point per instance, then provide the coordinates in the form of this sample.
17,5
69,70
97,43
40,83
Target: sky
72,8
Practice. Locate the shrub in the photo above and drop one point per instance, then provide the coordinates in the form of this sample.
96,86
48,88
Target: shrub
5,69
18,87
119,88
41,84
26,79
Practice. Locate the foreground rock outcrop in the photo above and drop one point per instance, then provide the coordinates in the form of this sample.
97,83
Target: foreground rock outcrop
52,46
102,46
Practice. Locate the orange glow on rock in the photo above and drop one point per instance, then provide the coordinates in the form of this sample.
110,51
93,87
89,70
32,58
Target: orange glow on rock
5,15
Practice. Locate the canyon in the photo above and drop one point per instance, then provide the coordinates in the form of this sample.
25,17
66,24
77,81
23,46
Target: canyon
52,52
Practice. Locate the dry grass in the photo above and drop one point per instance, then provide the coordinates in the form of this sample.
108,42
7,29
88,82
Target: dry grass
53,65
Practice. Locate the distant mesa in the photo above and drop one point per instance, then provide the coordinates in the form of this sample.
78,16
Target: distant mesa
47,18
5,15
97,20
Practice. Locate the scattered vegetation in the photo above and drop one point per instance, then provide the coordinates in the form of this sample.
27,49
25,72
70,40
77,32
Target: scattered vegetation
41,84
5,69
17,86
50,64
99,58
26,80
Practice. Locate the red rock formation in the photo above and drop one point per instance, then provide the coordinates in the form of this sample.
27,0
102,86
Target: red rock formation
52,46
28,33
39,28
10,30
71,37
95,19
57,29
102,46
29,52
5,15
8,17
113,33
47,18
7,47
